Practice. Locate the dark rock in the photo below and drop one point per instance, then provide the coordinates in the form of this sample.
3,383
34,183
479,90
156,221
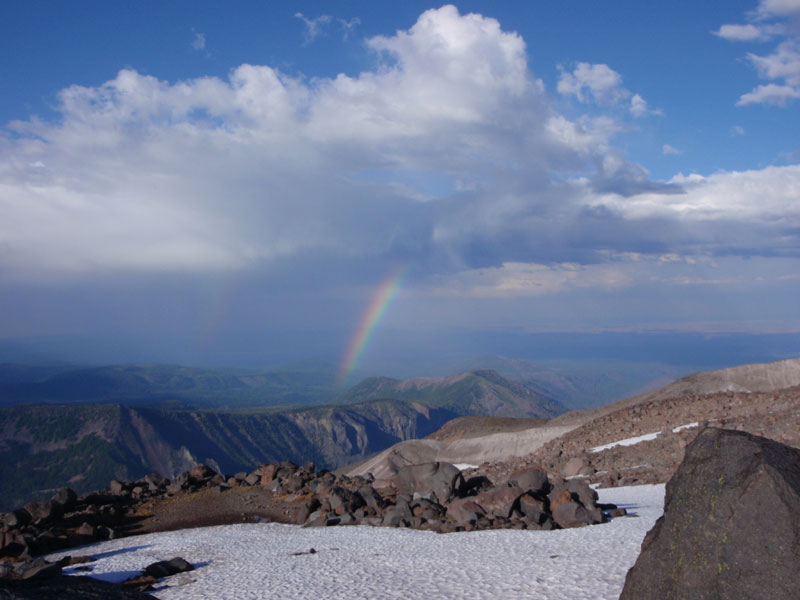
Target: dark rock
65,587
86,529
534,480
165,568
43,512
439,478
40,569
201,472
730,526
533,507
66,497
398,516
343,500
476,485
584,496
15,549
17,518
499,501
372,499
154,481
464,511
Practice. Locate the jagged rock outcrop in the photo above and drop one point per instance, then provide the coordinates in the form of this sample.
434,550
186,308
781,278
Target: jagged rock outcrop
730,527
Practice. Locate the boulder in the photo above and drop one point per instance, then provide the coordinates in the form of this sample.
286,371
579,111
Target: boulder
267,474
66,497
202,471
730,526
372,499
44,511
441,479
165,568
398,516
499,501
464,511
567,511
533,508
533,480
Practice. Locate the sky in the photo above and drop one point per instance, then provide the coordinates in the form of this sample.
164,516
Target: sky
202,182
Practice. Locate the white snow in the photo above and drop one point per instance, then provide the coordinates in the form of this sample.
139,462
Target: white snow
641,438
464,466
628,441
251,561
687,426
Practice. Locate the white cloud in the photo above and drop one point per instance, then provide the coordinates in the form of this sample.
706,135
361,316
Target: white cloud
782,66
314,26
598,81
667,149
780,8
448,154
199,40
771,93
766,196
638,106
737,130
318,26
601,84
741,33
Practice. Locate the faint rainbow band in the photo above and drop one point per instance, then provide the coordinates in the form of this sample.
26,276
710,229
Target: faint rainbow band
376,308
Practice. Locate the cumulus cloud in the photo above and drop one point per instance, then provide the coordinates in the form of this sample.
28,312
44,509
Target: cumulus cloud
449,155
601,84
773,18
667,149
741,33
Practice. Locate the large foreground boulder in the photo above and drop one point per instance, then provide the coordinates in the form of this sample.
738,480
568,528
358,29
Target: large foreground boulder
730,527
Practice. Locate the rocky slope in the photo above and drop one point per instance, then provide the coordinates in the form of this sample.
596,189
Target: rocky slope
656,427
752,398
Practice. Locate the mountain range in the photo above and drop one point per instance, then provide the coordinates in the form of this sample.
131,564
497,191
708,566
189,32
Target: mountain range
45,446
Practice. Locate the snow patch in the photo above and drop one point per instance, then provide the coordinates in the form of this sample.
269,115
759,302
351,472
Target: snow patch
688,426
253,561
641,438
628,441
464,466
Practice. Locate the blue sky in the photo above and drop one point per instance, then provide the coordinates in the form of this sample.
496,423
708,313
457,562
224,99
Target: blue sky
201,172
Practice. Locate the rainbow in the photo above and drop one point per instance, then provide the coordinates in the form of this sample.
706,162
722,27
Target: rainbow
376,308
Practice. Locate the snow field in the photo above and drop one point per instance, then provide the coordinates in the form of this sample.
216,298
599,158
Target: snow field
251,561
640,438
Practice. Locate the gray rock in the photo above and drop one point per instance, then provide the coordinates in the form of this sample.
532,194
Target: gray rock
441,478
398,516
730,526
533,480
